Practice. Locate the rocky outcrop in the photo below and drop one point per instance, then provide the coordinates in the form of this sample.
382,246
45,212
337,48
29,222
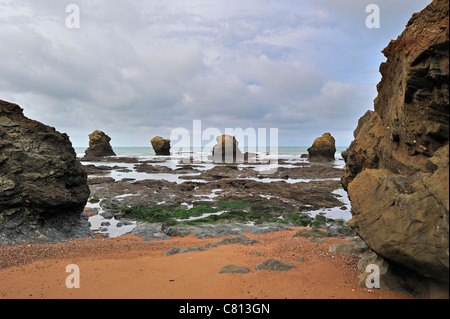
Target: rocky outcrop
273,264
233,269
43,188
397,167
226,150
99,145
323,148
161,146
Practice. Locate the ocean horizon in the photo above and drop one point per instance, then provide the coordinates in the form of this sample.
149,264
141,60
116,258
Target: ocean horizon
283,151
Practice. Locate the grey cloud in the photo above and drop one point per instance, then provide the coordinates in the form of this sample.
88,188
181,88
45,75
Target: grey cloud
138,69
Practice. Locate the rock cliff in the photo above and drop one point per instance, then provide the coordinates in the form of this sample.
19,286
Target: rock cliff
397,166
99,145
43,188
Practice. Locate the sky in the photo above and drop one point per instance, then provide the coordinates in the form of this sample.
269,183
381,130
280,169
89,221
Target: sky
139,69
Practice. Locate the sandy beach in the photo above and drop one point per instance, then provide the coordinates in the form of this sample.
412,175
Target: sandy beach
130,262
128,267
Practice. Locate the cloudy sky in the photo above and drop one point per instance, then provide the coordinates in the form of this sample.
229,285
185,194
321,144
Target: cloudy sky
137,69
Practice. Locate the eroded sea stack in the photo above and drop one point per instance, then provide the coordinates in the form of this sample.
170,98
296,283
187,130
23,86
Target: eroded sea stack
160,145
43,188
99,145
323,149
227,150
397,167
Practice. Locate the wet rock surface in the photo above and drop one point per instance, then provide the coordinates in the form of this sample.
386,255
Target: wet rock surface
300,186
291,191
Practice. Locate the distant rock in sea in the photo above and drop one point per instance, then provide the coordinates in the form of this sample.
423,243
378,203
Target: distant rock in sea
161,146
323,148
397,167
99,145
226,150
43,188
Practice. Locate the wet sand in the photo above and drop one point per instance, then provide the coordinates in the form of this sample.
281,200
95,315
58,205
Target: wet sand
128,267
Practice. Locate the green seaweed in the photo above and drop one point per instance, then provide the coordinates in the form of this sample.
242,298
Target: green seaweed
319,221
239,216
163,213
258,210
299,220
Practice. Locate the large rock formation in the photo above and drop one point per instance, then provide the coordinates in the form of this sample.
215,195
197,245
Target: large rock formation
397,167
99,145
43,188
323,148
161,146
226,150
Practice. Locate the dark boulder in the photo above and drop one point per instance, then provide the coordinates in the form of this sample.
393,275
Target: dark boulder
43,188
